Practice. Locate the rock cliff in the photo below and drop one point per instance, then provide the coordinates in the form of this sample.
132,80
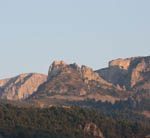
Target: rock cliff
71,82
56,68
86,73
130,73
122,63
20,87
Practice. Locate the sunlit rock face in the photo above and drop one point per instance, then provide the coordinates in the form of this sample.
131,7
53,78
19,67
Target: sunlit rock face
121,63
129,73
71,82
88,74
85,72
56,68
21,87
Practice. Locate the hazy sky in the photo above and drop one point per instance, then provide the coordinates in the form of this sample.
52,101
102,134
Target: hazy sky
34,33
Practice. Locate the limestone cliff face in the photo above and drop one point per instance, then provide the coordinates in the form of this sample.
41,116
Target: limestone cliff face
121,63
20,87
70,80
129,73
56,68
85,72
137,72
88,74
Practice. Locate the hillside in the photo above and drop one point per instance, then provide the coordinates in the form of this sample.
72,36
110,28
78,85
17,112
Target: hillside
21,86
120,91
66,122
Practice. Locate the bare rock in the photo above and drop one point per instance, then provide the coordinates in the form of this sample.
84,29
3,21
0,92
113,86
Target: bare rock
70,80
56,68
122,63
21,87
136,75
128,73
87,74
92,129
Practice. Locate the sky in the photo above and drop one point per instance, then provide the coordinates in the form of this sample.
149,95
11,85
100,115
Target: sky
34,33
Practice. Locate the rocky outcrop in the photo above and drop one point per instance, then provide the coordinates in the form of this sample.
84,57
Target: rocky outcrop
21,87
56,68
122,63
130,73
92,129
69,81
72,82
86,73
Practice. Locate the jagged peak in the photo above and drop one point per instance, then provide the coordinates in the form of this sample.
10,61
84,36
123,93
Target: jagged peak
58,66
55,68
84,68
85,72
61,62
75,66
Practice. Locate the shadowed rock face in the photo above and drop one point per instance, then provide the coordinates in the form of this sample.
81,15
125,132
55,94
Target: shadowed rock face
114,75
130,73
20,87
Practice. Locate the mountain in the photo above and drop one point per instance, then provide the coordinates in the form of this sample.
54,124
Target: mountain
21,86
130,73
123,79
118,96
120,91
74,83
110,91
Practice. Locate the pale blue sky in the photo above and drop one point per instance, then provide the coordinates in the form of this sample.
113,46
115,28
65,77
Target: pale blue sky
34,33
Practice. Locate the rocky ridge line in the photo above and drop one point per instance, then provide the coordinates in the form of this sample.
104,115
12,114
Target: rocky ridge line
85,72
21,86
130,73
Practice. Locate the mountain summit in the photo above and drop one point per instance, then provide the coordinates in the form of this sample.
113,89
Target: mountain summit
71,82
86,73
131,73
123,79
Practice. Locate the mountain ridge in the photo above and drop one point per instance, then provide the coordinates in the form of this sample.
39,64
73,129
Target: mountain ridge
127,72
122,79
21,86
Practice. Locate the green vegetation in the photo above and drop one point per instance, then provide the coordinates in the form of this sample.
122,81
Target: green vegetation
58,122
125,110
